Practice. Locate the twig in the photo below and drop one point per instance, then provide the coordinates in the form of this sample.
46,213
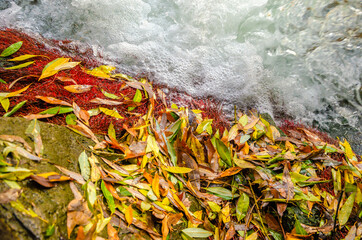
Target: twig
335,217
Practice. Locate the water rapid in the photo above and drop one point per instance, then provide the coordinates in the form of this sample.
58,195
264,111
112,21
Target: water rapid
300,59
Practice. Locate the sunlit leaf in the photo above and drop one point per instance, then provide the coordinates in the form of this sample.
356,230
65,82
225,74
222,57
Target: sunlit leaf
23,65
50,68
13,48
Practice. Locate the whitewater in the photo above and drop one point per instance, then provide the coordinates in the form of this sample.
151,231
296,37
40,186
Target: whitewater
298,59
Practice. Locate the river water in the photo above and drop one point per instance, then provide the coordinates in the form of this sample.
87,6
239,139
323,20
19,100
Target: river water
291,58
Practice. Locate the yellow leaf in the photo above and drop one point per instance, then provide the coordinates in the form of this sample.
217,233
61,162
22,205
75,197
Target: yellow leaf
50,68
245,149
253,236
23,65
16,93
156,185
65,66
109,112
25,57
5,103
178,169
129,214
52,100
226,214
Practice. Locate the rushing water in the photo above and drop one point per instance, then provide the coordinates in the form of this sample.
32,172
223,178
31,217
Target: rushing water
298,58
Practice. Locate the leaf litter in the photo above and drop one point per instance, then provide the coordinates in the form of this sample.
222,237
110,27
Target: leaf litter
250,181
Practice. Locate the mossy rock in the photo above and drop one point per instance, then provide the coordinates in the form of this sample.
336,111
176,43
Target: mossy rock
62,147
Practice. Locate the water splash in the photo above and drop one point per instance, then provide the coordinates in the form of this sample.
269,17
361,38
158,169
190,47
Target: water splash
298,58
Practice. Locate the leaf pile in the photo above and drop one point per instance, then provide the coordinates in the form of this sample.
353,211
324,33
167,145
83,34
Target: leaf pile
173,169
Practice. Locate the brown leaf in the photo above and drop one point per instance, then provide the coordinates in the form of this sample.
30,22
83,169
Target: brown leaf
105,101
81,114
74,175
272,222
230,233
112,232
281,207
78,214
42,181
78,88
52,100
67,79
165,229
194,176
82,129
38,116
13,138
9,195
289,186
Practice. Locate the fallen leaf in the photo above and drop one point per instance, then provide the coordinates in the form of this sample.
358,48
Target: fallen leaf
78,88
52,100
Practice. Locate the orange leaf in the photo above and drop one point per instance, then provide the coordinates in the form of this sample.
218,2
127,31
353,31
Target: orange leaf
81,114
129,214
230,172
112,190
112,232
52,100
78,88
156,185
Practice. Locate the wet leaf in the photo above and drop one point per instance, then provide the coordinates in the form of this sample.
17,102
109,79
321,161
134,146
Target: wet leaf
13,48
78,88
242,206
346,210
197,232
23,65
21,208
50,230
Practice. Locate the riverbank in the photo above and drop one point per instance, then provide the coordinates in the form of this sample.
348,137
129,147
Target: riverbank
159,166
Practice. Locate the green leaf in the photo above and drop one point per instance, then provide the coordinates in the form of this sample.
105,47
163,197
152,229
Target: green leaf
107,194
50,230
84,165
243,120
23,65
16,108
222,192
124,192
197,232
206,125
91,194
5,103
11,49
346,209
57,110
223,151
175,128
299,229
2,81
136,98
109,95
111,131
214,206
242,206
71,119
